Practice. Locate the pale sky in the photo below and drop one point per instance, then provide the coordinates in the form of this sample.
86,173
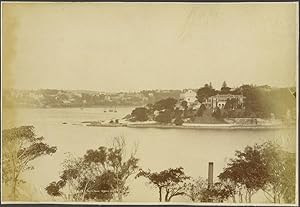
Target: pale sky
135,46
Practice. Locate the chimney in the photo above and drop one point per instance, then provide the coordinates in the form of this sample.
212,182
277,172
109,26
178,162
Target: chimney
210,174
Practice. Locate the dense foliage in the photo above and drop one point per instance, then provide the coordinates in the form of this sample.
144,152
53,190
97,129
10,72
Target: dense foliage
205,92
20,147
171,181
140,114
99,175
262,167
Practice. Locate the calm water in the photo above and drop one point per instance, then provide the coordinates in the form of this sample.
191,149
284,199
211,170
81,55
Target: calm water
158,149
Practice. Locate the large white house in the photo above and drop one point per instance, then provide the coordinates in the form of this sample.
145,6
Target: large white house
189,96
220,100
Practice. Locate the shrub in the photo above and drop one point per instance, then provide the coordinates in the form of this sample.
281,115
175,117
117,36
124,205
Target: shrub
178,121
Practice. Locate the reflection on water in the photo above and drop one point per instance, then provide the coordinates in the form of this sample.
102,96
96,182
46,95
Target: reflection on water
158,149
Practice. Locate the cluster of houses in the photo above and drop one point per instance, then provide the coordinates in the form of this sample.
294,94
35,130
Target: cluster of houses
79,97
212,102
73,98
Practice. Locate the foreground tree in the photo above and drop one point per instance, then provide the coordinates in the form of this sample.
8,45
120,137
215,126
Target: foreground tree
99,175
171,181
20,146
289,178
247,171
195,188
281,166
199,191
220,191
262,167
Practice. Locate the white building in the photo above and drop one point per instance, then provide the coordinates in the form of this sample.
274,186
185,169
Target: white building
189,96
220,100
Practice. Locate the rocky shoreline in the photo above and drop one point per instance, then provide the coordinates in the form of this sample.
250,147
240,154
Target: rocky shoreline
186,126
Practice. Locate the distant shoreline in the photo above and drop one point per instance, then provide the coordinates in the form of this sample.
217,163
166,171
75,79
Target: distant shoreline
213,126
204,126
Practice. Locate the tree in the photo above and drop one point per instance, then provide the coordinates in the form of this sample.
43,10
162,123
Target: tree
99,175
220,191
247,171
165,104
201,110
225,89
184,104
266,167
199,191
178,121
224,84
165,116
195,189
217,113
289,178
178,112
281,173
140,114
204,93
75,172
20,147
171,181
257,102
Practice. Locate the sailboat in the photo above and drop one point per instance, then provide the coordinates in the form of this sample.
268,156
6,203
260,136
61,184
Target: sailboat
115,110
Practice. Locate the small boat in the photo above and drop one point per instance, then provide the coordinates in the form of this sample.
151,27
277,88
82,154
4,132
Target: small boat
104,110
110,110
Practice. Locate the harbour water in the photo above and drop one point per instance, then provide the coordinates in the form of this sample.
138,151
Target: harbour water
158,149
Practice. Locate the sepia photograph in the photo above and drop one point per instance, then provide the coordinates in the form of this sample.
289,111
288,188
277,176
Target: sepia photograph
149,103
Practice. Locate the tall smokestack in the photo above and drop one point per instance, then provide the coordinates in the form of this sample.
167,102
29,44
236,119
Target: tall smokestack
210,174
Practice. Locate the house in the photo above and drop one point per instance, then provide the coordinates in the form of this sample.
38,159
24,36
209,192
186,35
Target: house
189,96
220,100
